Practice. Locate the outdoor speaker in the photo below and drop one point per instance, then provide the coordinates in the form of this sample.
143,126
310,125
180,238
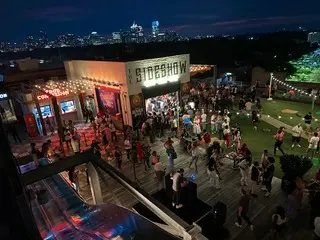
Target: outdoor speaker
219,212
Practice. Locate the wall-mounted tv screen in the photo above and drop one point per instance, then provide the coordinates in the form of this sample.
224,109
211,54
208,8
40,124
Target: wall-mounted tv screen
68,106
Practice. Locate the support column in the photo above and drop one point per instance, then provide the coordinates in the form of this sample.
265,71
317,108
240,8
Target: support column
215,73
94,184
57,116
44,131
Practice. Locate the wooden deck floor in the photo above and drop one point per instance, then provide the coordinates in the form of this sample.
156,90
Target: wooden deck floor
260,209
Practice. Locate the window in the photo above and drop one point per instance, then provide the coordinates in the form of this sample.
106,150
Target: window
68,106
45,111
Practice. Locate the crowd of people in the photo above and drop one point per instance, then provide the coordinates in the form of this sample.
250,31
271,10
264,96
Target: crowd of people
195,129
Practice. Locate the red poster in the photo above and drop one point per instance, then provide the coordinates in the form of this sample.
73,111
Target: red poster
31,125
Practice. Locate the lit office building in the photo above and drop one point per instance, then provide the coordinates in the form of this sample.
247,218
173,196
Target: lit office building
155,28
314,37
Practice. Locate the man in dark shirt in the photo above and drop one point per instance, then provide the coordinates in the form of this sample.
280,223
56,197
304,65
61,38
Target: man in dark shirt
267,176
254,179
243,209
307,120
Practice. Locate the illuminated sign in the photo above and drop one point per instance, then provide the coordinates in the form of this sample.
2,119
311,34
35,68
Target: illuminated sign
156,71
3,95
160,71
55,92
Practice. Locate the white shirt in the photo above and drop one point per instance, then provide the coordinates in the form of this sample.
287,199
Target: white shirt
194,152
224,124
127,144
313,142
226,131
203,117
248,106
297,131
213,119
317,226
175,180
228,119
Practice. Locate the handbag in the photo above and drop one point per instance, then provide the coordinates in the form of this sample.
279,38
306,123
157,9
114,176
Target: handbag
174,155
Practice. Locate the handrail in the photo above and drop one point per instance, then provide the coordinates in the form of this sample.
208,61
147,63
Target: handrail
156,207
95,235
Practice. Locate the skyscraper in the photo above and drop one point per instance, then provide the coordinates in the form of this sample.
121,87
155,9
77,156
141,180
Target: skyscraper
155,28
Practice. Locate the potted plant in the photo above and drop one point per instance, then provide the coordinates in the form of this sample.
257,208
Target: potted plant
293,167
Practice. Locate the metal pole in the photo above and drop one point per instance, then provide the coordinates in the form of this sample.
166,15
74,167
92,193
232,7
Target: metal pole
270,86
58,120
313,101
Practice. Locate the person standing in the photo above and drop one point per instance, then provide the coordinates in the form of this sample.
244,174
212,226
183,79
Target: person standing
174,126
245,170
113,131
75,144
177,184
212,170
279,140
255,174
267,177
203,121
264,160
195,157
296,135
243,209
227,135
139,152
118,157
237,141
128,147
220,128
308,120
214,127
313,144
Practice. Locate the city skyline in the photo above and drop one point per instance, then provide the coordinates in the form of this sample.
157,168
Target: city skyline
207,17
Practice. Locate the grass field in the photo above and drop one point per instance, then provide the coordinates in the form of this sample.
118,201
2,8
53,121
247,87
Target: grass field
258,140
274,108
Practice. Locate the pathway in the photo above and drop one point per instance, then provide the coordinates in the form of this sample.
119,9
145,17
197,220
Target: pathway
276,123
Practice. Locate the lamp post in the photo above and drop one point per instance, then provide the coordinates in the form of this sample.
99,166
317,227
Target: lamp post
270,86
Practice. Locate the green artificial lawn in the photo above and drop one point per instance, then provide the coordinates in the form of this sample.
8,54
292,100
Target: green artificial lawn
258,140
274,108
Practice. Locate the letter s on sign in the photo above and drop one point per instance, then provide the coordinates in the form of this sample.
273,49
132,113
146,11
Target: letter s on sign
138,74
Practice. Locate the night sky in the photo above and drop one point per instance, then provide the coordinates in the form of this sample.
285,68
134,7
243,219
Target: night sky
189,17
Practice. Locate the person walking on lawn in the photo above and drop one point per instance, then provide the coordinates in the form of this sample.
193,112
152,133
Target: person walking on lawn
296,135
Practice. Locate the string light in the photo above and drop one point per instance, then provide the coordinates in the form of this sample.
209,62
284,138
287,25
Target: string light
294,88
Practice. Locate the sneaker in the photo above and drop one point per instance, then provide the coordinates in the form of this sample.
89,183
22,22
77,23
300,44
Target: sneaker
251,227
173,204
299,145
292,146
264,189
267,194
179,206
238,225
